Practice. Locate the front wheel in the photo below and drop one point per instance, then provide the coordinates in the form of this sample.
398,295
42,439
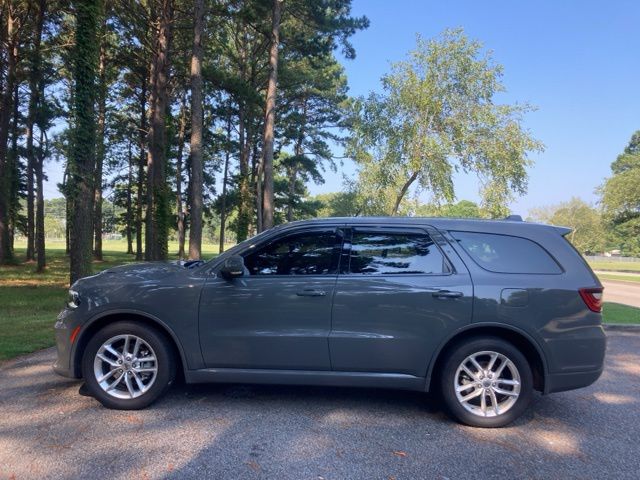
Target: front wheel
486,382
127,366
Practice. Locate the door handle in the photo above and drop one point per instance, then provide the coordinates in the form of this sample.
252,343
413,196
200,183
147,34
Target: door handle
310,292
447,294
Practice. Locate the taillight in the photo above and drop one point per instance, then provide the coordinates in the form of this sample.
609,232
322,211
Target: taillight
592,298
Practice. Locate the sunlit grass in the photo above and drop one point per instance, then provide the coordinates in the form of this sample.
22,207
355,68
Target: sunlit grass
617,313
616,266
623,278
30,301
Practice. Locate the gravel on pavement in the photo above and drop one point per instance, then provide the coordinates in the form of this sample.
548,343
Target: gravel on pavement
252,432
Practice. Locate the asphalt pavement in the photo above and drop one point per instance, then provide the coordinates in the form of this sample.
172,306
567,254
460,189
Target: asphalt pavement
246,432
627,293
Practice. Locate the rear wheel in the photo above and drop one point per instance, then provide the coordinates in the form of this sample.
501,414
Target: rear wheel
486,382
128,366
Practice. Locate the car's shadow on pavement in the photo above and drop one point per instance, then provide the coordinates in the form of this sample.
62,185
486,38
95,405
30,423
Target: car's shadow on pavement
266,431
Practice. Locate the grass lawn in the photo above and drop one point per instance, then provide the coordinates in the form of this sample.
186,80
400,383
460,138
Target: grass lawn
615,266
30,302
624,278
617,313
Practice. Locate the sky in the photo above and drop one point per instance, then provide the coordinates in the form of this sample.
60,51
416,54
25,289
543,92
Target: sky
578,62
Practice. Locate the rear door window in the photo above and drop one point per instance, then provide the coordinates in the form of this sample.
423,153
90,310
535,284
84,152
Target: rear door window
506,254
384,253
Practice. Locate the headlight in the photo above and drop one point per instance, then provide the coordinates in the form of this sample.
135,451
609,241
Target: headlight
74,299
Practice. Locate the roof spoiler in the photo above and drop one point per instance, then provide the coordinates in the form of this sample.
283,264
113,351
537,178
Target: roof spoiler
513,218
563,230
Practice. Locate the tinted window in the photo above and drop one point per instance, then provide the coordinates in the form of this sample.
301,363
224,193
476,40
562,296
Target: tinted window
302,254
506,254
393,253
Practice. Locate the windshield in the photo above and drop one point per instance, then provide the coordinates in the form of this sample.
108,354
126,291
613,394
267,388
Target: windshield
246,243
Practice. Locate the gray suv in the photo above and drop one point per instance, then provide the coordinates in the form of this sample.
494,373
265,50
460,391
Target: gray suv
482,312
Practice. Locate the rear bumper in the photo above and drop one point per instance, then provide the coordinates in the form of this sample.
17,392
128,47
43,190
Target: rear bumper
575,358
561,382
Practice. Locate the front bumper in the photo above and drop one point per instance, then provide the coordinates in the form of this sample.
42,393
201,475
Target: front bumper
64,327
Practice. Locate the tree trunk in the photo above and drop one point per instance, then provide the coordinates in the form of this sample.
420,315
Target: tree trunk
82,159
142,135
293,170
403,192
269,118
292,174
6,254
35,78
244,207
223,199
67,210
258,169
40,238
195,230
14,168
179,203
100,146
129,217
157,221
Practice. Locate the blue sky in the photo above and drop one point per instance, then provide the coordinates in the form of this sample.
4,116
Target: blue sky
578,62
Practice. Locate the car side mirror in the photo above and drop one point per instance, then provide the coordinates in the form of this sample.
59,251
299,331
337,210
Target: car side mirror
233,267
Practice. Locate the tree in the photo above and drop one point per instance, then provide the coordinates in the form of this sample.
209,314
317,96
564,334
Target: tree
461,209
12,18
102,93
337,204
314,92
195,232
438,115
123,117
35,101
269,117
587,232
157,220
82,160
620,197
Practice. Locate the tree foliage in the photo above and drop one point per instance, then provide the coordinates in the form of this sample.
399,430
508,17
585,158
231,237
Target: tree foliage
587,229
438,114
621,197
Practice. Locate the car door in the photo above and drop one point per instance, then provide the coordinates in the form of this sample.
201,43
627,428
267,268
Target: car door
399,293
277,315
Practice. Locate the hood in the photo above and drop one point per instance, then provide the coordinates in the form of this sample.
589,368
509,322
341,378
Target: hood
135,272
146,270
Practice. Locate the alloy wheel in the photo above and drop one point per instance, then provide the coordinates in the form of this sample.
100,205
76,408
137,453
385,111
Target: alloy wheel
487,384
125,366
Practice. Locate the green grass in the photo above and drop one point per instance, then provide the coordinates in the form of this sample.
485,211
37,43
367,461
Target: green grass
30,301
617,313
624,278
614,265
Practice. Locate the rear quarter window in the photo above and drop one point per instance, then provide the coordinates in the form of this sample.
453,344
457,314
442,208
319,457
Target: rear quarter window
506,253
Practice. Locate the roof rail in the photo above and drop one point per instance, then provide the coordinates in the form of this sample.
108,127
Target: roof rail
514,218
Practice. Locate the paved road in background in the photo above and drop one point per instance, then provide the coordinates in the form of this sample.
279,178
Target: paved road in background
627,293
249,432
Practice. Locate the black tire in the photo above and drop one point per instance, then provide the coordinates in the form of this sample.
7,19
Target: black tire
165,362
448,380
